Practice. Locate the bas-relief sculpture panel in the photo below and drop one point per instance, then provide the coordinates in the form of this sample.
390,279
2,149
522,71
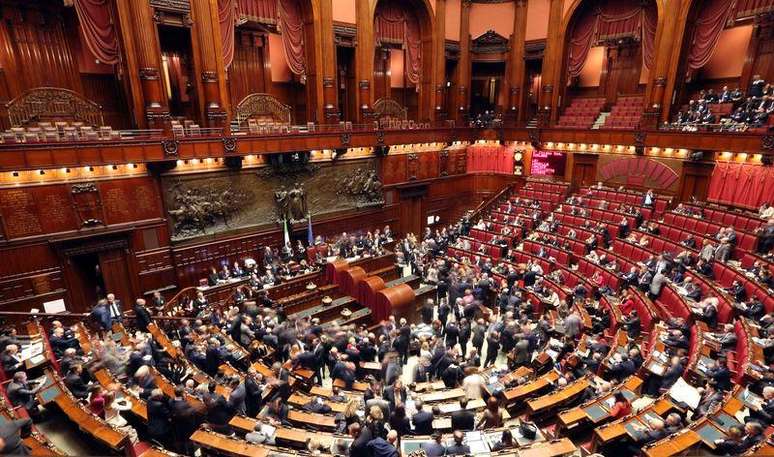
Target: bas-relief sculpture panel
217,202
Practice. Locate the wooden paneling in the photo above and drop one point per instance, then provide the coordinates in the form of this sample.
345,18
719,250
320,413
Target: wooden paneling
57,208
248,72
40,40
106,91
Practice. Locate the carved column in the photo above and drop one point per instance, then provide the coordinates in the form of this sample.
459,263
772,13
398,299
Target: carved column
364,56
330,94
552,64
440,58
148,53
516,61
668,45
463,66
206,28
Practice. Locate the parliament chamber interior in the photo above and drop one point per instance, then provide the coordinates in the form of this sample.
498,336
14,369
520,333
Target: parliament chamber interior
387,228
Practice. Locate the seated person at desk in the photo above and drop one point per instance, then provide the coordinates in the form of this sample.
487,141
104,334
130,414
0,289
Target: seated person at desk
710,399
21,393
691,289
707,311
676,340
11,360
75,384
656,432
727,338
764,413
737,291
720,373
434,448
60,341
458,448
277,412
753,308
731,444
622,407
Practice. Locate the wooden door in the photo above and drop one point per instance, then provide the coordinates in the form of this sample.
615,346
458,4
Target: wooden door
115,271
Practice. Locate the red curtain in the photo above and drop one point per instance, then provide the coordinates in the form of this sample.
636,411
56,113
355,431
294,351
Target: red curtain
395,24
99,32
605,19
227,15
713,16
741,184
746,8
291,24
258,10
490,159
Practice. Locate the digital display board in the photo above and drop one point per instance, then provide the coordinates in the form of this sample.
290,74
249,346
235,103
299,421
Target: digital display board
548,163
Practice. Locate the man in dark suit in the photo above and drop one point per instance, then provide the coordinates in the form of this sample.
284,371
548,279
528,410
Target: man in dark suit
186,421
720,374
422,420
359,447
427,311
142,315
21,393
114,308
463,419
101,314
672,374
74,382
159,417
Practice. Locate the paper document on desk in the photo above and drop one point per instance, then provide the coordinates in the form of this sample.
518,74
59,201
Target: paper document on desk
32,350
683,392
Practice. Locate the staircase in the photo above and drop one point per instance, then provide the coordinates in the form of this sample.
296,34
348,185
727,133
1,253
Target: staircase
600,121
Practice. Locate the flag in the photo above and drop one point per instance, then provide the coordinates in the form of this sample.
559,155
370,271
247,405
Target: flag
309,234
287,234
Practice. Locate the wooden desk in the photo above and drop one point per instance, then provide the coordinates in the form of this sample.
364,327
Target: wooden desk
356,386
313,420
107,381
525,390
429,386
673,445
169,390
573,417
442,395
372,368
298,399
555,399
548,449
228,446
244,424
85,420
36,442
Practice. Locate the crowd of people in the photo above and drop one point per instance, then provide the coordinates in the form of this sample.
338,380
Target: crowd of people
489,317
748,112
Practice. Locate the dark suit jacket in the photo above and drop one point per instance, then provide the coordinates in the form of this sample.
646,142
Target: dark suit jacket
159,417
463,420
423,423
359,447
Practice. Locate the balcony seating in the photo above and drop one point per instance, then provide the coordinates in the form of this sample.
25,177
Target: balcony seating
625,114
581,113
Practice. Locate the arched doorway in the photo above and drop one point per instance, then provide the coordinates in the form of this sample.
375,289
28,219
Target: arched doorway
403,55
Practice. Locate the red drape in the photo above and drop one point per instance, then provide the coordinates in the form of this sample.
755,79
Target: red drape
98,29
606,19
291,24
741,184
746,8
713,17
490,159
258,10
394,24
227,15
